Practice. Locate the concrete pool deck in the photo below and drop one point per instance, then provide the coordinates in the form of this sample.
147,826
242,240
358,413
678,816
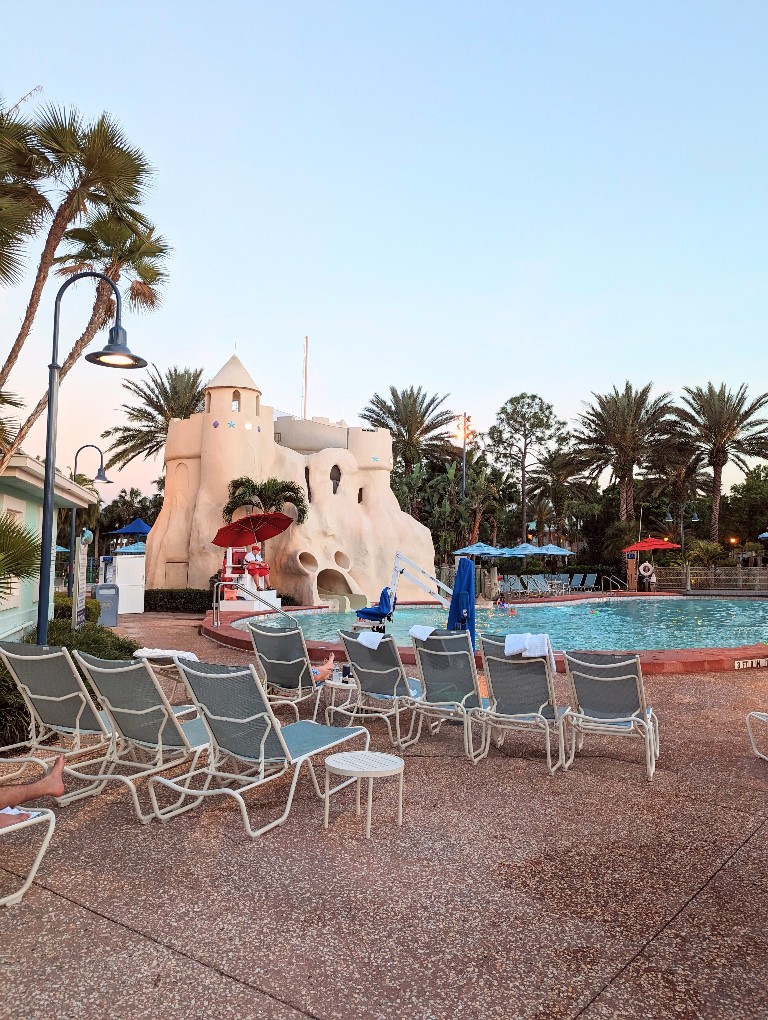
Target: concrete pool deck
506,895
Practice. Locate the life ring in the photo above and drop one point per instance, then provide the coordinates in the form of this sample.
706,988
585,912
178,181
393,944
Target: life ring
646,569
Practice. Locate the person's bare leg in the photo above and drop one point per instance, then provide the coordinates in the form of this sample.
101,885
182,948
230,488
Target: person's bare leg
324,671
51,785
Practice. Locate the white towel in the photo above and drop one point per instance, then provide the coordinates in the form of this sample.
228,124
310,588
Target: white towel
162,653
530,646
420,632
370,638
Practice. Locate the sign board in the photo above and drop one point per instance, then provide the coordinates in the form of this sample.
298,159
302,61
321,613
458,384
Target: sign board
631,556
78,590
751,664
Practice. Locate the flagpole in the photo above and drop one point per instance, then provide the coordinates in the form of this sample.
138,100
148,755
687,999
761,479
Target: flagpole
306,359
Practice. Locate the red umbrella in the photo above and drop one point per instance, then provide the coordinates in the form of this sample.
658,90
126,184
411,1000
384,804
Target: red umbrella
255,528
648,544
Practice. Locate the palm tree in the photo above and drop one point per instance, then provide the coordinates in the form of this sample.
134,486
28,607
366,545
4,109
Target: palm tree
176,394
417,425
19,554
22,205
111,246
724,426
8,425
618,432
94,168
267,496
557,479
674,470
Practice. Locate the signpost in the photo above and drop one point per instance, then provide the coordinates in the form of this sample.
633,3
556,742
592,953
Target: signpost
80,581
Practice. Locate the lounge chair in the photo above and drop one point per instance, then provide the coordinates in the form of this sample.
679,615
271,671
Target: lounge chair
576,581
376,615
609,699
148,735
537,585
589,582
248,746
63,716
752,718
37,816
384,691
522,697
516,587
446,661
283,664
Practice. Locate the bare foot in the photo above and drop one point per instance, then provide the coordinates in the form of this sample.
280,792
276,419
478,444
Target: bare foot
8,819
53,783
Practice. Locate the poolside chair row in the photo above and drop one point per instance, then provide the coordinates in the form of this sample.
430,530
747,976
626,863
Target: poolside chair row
137,735
607,695
557,584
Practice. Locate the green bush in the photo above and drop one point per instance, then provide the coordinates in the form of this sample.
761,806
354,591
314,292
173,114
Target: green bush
177,600
62,608
14,718
288,600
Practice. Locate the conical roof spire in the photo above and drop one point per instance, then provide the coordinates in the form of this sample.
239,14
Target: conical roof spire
233,376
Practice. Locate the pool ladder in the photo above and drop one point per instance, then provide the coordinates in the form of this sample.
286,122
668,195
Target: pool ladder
251,595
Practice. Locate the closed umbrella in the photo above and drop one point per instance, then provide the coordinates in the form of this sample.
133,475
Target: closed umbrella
461,612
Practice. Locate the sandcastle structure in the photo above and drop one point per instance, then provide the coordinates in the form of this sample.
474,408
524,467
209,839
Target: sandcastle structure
354,527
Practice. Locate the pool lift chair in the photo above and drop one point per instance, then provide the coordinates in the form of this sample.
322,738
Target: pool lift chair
375,617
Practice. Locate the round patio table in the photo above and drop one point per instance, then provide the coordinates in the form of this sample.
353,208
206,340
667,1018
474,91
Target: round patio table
360,765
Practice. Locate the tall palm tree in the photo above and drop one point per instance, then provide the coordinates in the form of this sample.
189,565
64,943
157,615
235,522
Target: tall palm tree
557,478
22,205
418,427
111,246
176,394
618,432
724,426
267,496
674,470
91,166
7,425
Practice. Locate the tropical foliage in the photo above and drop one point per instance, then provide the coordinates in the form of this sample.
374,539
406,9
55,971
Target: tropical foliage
176,393
19,554
265,497
419,427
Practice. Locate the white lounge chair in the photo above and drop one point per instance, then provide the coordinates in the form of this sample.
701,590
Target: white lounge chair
752,718
609,699
248,746
37,816
384,691
522,697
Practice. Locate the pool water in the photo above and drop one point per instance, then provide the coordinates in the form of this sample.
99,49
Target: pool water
595,624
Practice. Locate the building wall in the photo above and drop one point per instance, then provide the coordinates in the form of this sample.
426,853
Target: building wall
18,613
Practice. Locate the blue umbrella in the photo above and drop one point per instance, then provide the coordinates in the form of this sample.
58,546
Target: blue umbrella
62,549
510,552
137,527
478,549
461,612
526,549
555,550
764,535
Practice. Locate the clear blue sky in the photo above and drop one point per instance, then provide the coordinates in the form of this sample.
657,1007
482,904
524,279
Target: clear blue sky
479,198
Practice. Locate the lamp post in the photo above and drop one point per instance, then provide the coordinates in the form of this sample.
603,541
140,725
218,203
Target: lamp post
669,519
100,477
115,355
465,420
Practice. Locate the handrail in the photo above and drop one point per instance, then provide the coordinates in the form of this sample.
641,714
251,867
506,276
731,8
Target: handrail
412,571
251,595
614,582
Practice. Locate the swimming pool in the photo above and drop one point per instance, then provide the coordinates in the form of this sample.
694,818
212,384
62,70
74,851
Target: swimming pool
600,624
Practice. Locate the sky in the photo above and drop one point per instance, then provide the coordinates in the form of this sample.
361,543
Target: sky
477,198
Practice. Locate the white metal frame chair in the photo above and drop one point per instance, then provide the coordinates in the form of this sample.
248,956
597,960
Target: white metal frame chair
384,691
446,661
282,662
148,736
37,816
522,697
609,699
63,716
759,717
248,746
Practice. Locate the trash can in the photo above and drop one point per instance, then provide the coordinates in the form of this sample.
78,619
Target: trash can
108,597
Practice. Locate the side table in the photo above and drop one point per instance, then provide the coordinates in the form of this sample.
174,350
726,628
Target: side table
360,765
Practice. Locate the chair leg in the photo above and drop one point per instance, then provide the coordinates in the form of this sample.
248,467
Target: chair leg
756,717
13,898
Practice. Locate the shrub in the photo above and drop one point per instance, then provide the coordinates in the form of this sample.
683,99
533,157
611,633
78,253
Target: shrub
177,600
14,717
288,600
62,608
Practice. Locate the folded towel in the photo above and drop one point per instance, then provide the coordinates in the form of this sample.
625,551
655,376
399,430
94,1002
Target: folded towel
163,653
515,644
420,633
370,638
530,646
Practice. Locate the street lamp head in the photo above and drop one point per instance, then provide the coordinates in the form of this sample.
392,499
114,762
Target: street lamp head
101,476
669,518
116,354
694,518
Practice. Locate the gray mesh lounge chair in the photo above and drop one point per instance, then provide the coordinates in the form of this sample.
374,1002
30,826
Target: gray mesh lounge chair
63,716
450,685
249,747
522,697
537,585
283,664
516,588
383,689
752,718
589,582
37,816
609,699
148,736
576,582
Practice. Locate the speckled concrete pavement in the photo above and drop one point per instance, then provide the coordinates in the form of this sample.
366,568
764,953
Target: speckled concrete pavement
506,894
